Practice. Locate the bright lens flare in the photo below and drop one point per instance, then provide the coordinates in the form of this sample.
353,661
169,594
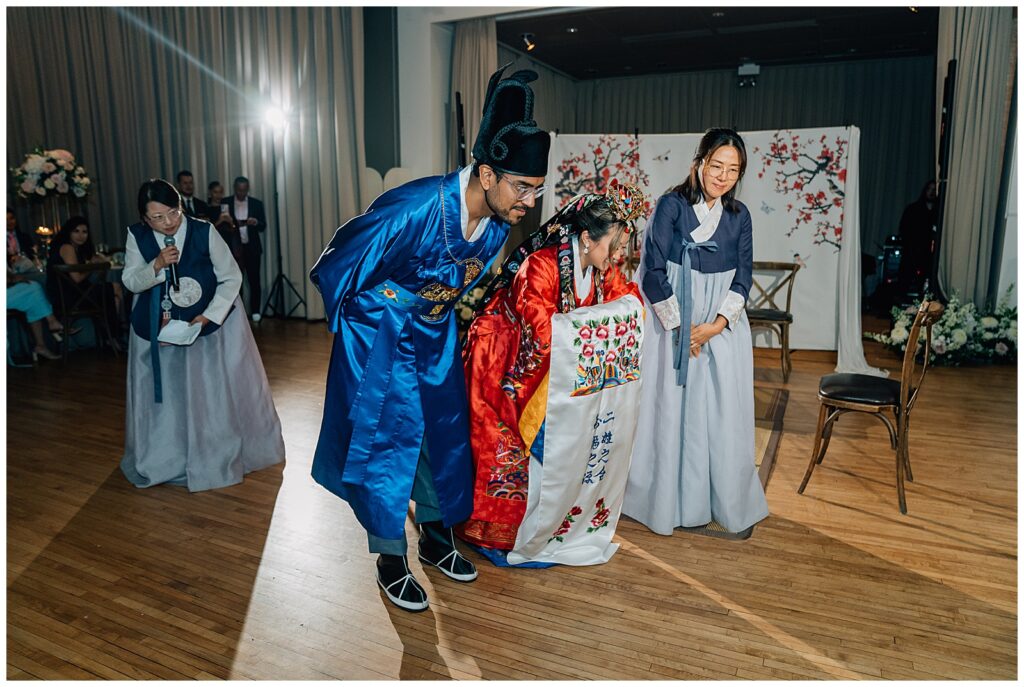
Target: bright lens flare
275,117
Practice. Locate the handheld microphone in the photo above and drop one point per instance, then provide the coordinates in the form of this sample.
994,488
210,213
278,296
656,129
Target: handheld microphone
172,269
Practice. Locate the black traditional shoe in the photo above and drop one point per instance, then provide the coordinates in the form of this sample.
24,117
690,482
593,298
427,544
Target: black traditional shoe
437,548
401,588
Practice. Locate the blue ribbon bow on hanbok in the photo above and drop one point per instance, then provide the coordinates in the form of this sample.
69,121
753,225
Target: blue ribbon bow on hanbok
683,291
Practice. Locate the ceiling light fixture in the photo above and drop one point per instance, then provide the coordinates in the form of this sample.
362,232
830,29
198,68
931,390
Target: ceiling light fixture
571,29
528,42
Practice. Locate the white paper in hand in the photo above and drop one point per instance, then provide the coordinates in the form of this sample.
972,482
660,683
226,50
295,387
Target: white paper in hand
179,333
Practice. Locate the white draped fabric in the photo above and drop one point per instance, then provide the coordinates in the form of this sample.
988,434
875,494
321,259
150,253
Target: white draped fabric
575,496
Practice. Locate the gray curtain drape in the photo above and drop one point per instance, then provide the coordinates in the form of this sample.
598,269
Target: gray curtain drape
980,39
146,91
889,100
474,59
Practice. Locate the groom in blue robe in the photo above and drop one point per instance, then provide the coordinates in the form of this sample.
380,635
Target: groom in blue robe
396,422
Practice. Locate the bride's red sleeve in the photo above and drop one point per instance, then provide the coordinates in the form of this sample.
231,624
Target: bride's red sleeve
616,285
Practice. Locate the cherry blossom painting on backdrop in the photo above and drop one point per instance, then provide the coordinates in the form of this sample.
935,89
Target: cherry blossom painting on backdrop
796,186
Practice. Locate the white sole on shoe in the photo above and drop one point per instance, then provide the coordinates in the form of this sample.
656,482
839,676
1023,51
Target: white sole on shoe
404,605
455,576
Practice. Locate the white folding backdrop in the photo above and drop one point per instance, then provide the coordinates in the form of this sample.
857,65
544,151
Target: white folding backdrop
801,187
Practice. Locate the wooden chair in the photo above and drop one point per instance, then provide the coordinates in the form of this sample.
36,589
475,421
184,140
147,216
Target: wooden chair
763,312
86,298
842,393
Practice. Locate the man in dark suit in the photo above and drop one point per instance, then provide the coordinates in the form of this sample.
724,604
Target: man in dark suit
251,219
186,187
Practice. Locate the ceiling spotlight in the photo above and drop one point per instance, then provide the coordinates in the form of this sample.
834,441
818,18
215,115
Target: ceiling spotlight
718,15
913,9
571,29
528,42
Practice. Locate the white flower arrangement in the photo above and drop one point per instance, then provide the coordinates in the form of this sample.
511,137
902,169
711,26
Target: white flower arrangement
961,335
46,173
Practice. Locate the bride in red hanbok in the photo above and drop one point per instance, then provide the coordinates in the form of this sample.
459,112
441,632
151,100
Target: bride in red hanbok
569,263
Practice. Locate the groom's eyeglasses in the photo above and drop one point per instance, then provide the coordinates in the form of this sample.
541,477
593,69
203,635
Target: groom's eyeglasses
523,192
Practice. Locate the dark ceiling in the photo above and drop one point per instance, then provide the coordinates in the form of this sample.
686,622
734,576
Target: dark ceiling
611,42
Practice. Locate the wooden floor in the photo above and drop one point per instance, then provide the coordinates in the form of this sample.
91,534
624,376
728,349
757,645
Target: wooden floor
270,579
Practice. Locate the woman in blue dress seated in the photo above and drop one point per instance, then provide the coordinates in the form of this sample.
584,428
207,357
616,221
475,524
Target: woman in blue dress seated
693,460
73,245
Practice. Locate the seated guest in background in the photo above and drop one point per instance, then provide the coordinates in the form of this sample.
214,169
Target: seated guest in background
199,411
693,459
508,354
250,218
20,245
30,298
186,187
221,219
73,246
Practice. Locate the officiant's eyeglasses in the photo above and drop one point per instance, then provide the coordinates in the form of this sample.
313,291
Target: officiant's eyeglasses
717,170
171,216
523,191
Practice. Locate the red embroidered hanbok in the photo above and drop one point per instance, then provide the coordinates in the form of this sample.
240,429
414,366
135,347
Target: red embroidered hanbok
506,357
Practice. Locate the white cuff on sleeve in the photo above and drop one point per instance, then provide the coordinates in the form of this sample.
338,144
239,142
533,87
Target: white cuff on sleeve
667,312
731,307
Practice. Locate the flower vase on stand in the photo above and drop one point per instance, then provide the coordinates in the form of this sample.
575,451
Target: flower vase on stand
54,178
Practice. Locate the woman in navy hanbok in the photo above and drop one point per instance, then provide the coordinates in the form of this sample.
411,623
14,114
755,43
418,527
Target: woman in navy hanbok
693,460
198,414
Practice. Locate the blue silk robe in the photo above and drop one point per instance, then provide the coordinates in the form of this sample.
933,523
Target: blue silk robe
389,279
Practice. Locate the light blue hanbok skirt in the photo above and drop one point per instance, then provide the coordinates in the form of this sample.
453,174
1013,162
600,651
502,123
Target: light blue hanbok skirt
217,420
693,459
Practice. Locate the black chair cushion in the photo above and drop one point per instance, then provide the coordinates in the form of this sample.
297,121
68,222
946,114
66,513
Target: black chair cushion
769,314
856,388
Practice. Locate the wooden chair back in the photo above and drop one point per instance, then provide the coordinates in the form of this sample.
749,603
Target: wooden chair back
85,298
765,298
927,315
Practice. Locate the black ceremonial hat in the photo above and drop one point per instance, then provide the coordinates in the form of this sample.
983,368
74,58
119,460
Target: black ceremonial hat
509,139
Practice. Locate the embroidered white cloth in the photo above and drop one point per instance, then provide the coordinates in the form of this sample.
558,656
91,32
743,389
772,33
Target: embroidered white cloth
575,496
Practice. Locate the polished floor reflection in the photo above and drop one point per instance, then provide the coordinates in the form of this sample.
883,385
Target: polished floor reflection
270,579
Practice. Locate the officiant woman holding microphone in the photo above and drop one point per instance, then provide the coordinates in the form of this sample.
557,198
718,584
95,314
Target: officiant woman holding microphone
199,411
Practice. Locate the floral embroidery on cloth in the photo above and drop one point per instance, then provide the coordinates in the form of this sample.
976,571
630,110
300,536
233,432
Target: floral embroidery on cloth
509,476
529,358
566,525
600,518
609,353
